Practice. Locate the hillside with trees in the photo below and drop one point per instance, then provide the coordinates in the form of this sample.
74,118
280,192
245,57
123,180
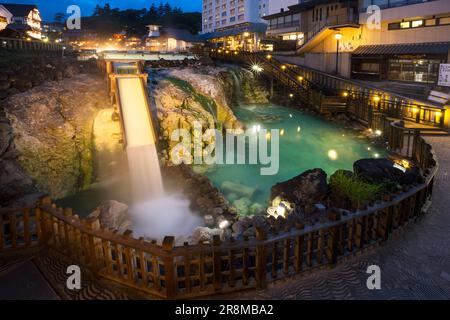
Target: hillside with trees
106,20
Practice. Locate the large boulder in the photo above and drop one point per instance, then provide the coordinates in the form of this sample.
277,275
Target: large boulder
382,170
13,181
114,215
308,188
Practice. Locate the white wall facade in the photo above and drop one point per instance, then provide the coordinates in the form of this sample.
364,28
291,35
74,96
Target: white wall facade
5,17
218,14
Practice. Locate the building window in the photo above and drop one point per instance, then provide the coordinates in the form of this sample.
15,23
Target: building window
443,21
430,22
414,70
394,26
405,24
417,23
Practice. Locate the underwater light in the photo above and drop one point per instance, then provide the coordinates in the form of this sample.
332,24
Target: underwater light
332,154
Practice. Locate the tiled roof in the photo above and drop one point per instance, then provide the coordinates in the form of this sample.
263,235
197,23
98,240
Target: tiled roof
407,48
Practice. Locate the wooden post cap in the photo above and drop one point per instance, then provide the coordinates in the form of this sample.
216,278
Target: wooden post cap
168,243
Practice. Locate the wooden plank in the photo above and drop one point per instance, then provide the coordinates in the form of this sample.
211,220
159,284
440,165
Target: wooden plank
26,227
13,229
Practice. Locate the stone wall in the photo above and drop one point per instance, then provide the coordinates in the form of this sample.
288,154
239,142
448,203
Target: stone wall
46,136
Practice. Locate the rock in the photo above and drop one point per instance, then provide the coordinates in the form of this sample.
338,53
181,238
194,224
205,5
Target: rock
255,209
4,84
240,189
307,188
53,133
5,138
232,197
14,182
3,94
242,206
382,170
209,221
114,215
204,234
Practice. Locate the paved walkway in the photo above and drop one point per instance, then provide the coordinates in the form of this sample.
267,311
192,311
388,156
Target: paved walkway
415,265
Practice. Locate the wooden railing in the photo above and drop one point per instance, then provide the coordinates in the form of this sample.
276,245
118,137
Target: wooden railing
362,100
32,45
276,251
187,271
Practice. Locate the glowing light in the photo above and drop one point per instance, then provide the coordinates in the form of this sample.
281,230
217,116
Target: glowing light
291,95
257,68
415,109
282,132
378,132
298,129
369,148
283,67
268,135
376,155
224,224
345,94
332,154
281,210
300,78
376,98
269,56
290,115
338,36
246,34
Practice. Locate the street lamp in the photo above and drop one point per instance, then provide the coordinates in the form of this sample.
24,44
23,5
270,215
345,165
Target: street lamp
63,48
338,37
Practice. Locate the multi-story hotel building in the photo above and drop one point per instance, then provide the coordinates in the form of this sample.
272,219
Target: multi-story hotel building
234,24
405,40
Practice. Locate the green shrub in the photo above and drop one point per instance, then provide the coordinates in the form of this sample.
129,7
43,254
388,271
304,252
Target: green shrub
354,189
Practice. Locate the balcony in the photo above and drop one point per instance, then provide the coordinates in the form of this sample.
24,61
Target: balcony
323,29
285,25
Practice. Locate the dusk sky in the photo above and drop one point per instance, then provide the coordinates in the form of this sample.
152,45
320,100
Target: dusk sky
48,8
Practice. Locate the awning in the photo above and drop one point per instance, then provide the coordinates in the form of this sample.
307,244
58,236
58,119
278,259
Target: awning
251,27
408,48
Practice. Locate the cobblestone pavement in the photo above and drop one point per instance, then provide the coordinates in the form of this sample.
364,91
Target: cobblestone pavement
414,265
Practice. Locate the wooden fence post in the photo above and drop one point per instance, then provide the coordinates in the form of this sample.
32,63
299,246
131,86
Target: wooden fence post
217,263
298,251
261,259
169,267
94,259
333,237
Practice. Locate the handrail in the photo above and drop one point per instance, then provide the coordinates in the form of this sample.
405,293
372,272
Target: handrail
195,270
359,95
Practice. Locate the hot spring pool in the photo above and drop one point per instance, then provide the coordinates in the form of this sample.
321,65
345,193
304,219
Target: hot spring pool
308,142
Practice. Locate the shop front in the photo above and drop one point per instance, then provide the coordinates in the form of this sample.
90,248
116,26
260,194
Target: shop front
415,63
